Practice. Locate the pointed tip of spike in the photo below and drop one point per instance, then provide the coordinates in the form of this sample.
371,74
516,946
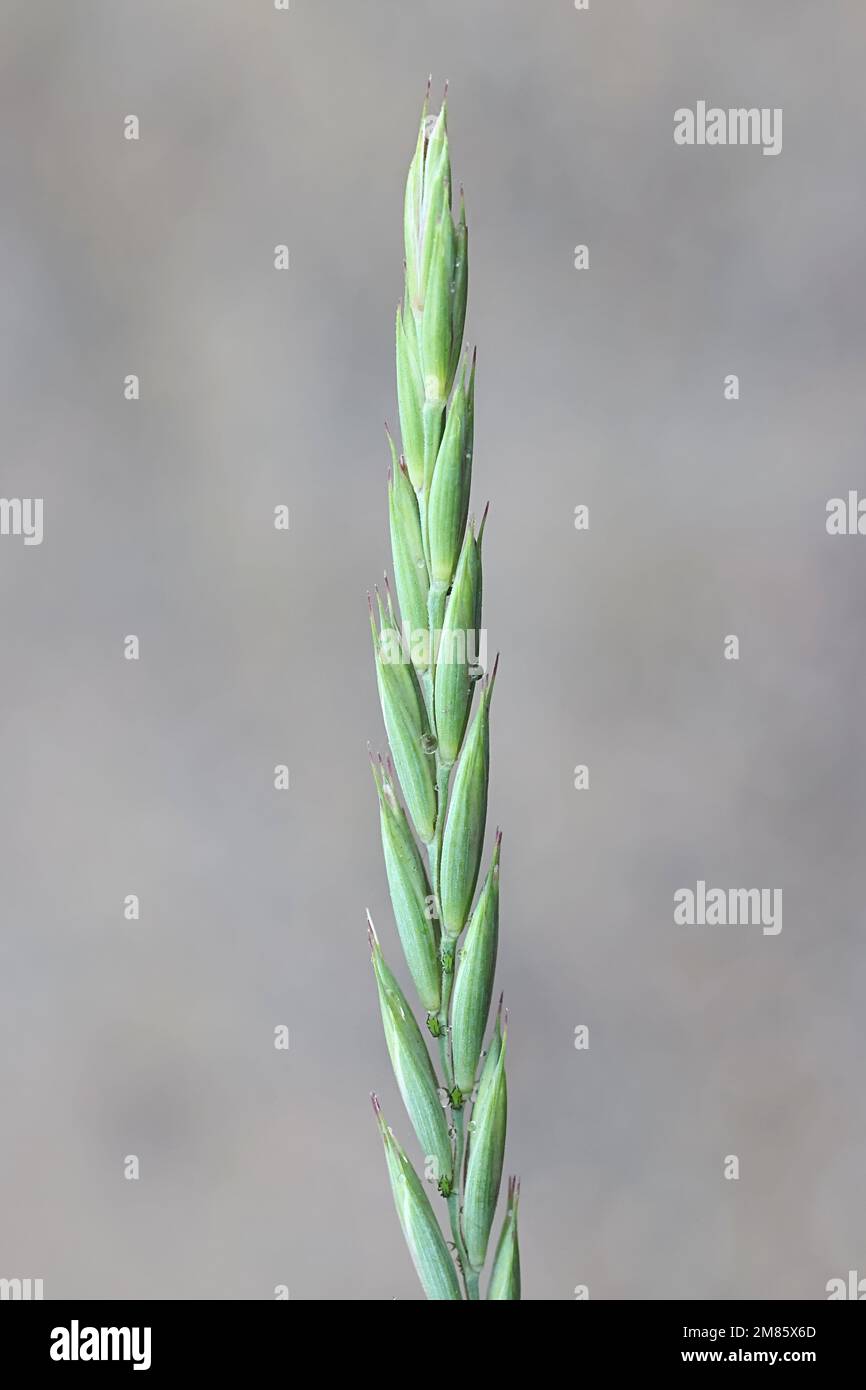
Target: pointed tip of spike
371,932
483,521
494,858
377,1108
469,385
383,616
376,769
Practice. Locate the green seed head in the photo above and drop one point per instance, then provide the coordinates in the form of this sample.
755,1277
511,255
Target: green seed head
437,320
428,190
430,1256
406,721
467,816
409,888
410,397
436,261
428,661
410,566
458,651
473,986
505,1278
448,501
412,207
460,287
486,1152
435,198
413,1069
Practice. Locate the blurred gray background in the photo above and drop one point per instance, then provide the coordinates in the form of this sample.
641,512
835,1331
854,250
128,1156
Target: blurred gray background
707,518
